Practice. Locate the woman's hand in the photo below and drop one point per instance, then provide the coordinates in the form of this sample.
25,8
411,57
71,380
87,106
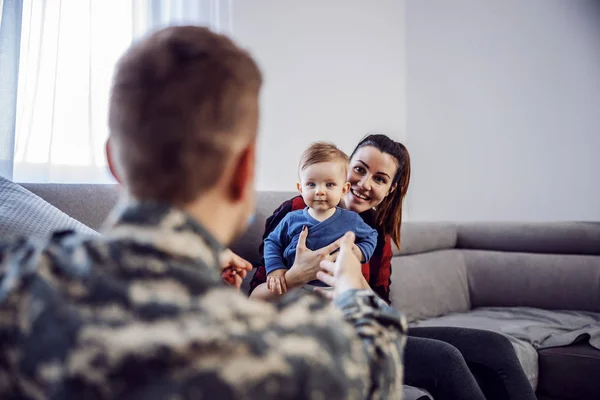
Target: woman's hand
234,268
307,262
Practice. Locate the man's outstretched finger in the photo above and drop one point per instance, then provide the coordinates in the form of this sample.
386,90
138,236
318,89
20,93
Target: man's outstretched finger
328,266
347,241
326,278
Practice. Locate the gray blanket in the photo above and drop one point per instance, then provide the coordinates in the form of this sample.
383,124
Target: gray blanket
528,329
540,328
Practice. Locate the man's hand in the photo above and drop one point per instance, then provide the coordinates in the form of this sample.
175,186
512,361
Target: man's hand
345,273
355,249
276,281
234,268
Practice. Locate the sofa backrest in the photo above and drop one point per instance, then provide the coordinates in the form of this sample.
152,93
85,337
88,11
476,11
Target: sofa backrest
534,237
91,204
445,268
548,281
266,202
87,203
550,265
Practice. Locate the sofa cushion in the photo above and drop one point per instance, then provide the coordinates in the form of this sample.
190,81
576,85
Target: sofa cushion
568,282
421,237
24,213
429,284
570,372
533,237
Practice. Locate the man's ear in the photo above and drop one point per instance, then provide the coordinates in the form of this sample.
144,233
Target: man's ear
111,164
243,175
345,188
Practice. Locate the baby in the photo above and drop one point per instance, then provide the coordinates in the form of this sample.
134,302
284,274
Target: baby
323,171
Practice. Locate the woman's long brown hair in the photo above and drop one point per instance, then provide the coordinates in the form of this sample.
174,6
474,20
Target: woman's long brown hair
388,214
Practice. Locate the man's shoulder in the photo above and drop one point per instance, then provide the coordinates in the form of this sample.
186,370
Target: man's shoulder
23,255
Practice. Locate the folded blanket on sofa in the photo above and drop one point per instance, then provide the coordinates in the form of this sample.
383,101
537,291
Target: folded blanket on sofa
541,328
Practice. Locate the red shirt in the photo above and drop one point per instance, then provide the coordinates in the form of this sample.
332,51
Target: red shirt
377,271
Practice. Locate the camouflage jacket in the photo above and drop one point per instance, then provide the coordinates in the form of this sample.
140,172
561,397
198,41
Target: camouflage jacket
141,313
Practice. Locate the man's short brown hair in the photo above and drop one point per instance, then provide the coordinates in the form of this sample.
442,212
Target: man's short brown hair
319,152
181,99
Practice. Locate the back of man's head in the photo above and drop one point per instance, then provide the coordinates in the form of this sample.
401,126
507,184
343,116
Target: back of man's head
183,101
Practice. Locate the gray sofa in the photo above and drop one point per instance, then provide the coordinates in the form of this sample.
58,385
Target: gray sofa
539,284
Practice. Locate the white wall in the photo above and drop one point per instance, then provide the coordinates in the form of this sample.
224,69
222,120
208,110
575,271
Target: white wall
333,71
503,109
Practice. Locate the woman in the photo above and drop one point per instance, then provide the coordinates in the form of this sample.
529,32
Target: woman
379,175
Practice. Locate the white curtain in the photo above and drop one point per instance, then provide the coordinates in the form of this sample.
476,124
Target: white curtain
67,55
10,39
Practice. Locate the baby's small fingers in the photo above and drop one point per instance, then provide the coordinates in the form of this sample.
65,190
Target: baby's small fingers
238,281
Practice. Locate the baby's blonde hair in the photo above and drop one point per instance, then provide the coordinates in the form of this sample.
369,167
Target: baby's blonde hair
319,152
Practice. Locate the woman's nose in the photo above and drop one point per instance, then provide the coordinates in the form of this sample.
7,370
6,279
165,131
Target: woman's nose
365,183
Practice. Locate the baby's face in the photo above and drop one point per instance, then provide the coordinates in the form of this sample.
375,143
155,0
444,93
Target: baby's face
323,185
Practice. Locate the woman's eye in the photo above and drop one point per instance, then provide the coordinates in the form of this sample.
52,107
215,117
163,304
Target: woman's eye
359,170
380,179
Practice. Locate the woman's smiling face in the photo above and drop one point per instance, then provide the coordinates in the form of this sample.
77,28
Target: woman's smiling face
371,174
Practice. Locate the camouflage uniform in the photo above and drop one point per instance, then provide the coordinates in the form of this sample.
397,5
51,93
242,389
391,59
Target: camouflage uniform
142,313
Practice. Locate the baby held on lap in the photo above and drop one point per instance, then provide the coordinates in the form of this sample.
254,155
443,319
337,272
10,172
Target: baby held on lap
322,172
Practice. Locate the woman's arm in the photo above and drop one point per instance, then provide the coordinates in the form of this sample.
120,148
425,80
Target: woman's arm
381,268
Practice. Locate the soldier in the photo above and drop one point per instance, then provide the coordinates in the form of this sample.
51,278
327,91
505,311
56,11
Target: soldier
141,312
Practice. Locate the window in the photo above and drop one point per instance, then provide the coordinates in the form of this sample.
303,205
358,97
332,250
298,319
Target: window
67,55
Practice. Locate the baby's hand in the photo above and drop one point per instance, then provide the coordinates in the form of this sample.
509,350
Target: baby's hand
276,281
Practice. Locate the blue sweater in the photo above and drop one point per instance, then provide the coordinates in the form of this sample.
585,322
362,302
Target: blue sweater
280,245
